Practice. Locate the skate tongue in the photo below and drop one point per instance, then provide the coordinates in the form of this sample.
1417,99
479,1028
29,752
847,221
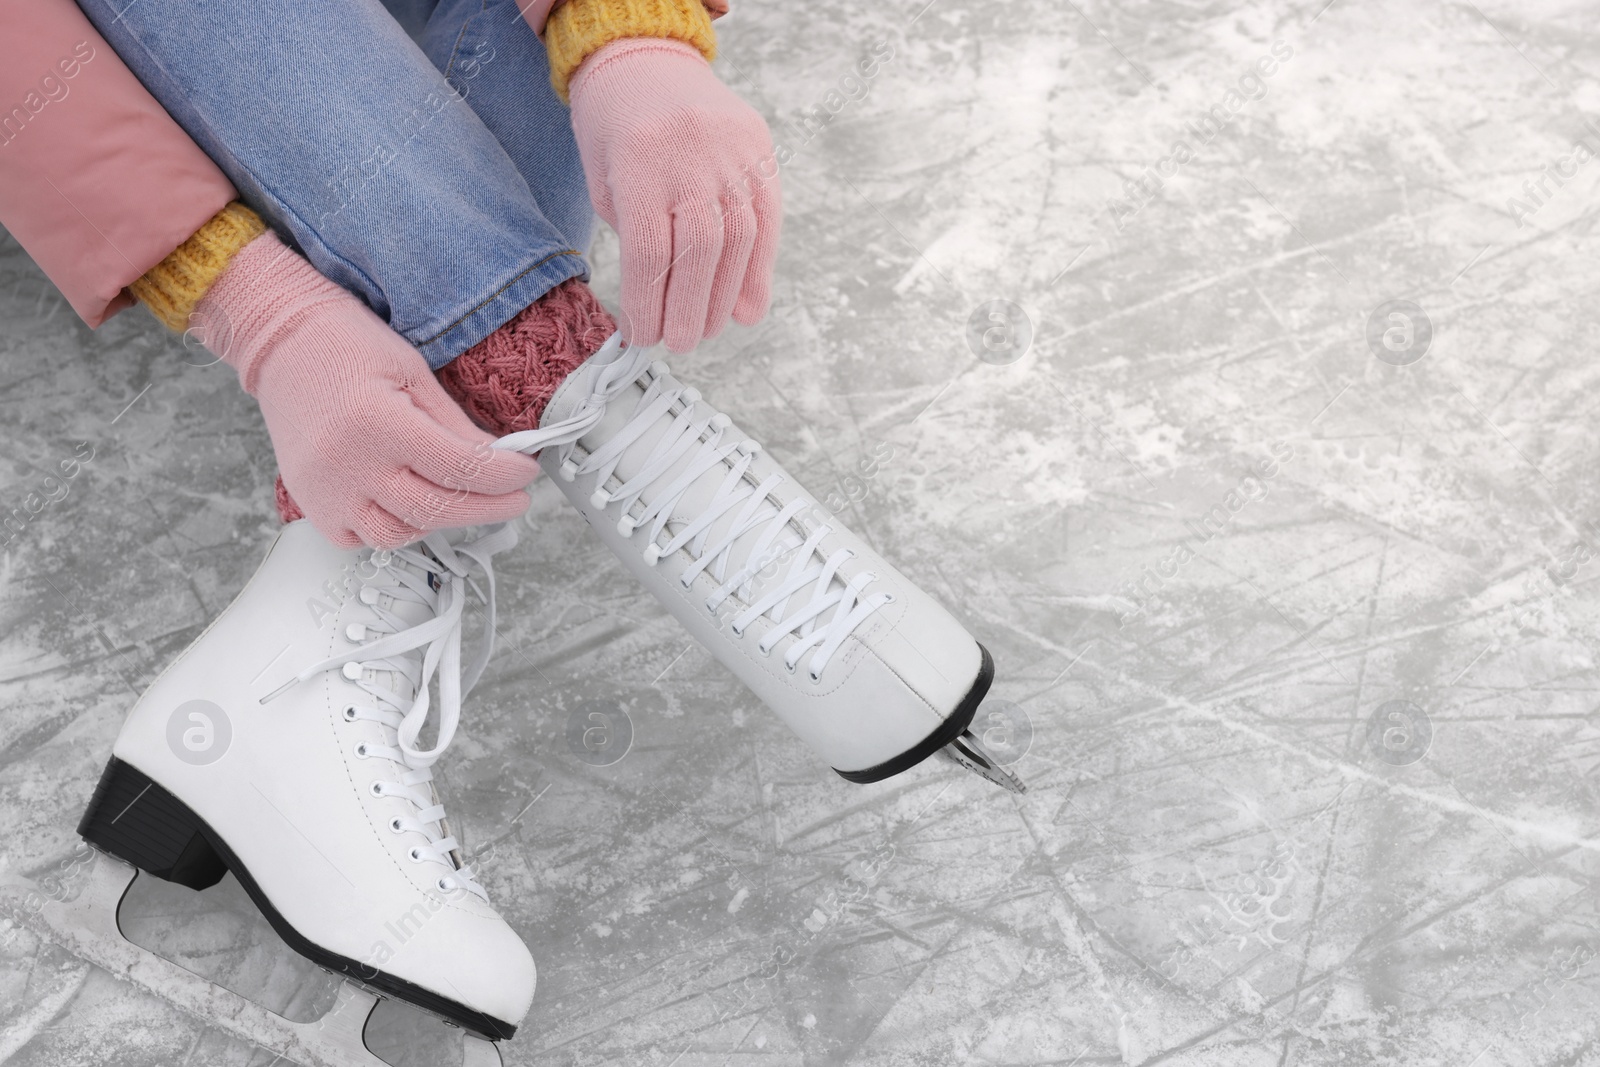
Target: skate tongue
382,596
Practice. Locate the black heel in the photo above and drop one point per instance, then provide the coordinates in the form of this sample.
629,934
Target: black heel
134,819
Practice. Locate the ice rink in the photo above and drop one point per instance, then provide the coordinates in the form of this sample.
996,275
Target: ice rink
1227,369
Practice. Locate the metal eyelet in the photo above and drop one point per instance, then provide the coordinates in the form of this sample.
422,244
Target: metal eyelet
349,713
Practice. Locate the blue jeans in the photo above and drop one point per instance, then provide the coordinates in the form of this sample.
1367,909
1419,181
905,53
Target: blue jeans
413,150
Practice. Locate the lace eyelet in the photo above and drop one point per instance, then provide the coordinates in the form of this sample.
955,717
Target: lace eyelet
361,750
765,650
814,676
737,630
376,789
652,553
349,713
569,470
788,666
888,598
352,671
394,824
445,885
599,499
416,855
356,632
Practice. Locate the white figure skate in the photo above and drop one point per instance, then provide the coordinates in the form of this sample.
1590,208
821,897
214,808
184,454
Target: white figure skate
865,667
283,746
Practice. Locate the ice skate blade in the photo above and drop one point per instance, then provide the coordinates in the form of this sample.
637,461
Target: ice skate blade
149,826
85,924
966,751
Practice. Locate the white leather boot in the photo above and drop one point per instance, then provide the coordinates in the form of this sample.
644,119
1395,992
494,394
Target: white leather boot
865,667
283,745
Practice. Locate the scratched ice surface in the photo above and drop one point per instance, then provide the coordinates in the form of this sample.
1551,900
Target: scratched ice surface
1291,593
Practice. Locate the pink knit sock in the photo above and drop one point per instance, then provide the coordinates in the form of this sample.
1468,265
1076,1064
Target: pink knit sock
288,510
504,381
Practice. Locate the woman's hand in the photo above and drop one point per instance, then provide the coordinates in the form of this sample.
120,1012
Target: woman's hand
369,444
684,171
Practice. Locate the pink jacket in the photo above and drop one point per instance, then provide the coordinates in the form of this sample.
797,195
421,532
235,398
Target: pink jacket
97,182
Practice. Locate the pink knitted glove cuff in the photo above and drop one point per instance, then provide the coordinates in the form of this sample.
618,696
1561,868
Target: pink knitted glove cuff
632,46
265,291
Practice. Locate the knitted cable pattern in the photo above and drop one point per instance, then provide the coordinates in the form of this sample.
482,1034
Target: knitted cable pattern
504,381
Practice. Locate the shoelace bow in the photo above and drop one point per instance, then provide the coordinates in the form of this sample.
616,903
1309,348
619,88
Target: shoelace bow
704,440
416,653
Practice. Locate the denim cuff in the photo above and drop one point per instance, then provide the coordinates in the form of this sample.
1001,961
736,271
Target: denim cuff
439,344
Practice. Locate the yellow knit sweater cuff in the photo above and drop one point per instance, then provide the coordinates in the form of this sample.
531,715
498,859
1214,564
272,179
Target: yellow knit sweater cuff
579,28
172,288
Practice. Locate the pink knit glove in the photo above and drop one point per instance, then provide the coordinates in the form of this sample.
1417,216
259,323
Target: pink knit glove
369,444
684,171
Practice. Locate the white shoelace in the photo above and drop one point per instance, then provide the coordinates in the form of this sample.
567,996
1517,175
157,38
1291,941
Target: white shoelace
437,579
704,441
